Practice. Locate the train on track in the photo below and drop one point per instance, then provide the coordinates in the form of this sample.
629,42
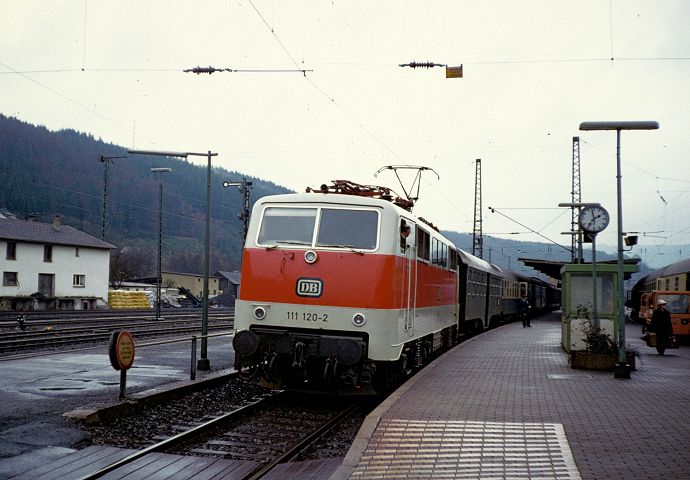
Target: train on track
672,284
343,288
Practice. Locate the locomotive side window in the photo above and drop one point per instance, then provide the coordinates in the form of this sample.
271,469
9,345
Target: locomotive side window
348,228
287,225
423,245
453,259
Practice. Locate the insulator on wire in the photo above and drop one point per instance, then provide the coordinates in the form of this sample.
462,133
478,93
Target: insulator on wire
422,65
199,70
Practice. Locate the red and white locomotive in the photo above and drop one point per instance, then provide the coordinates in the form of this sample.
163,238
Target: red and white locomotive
344,287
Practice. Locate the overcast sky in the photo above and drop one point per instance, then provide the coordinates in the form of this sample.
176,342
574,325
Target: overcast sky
533,71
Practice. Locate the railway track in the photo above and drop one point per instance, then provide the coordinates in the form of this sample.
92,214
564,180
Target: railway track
268,431
59,318
43,334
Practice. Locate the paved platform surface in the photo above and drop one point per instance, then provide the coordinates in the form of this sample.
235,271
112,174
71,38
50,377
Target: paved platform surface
506,404
154,466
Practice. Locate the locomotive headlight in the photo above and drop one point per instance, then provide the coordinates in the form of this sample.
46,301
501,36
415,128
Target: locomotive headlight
259,313
310,256
358,320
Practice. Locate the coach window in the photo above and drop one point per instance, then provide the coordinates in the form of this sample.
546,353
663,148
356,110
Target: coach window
287,225
339,227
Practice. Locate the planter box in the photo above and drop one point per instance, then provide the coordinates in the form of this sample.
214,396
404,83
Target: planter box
598,361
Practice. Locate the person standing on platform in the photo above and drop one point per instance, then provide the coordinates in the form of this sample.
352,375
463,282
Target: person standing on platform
661,325
523,309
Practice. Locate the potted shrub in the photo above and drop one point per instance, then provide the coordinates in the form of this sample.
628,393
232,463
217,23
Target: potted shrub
601,352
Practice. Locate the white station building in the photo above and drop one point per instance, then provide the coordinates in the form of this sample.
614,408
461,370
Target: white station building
49,266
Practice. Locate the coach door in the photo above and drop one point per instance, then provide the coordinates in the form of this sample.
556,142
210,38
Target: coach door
409,287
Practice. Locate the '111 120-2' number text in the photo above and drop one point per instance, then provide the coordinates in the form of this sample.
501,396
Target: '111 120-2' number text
307,316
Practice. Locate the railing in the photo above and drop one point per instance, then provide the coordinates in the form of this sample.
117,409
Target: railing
193,338
193,362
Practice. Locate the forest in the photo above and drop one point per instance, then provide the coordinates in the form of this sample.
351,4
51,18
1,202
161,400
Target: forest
45,173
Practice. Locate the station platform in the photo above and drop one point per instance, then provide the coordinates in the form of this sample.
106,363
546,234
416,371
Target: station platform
507,405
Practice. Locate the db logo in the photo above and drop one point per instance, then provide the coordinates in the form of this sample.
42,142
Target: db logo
309,287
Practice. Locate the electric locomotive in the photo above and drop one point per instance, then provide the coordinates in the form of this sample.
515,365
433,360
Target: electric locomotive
342,287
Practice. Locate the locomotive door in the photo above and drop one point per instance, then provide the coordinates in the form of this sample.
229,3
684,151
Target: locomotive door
408,245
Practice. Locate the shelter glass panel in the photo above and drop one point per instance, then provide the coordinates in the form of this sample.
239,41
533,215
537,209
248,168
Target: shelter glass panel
581,292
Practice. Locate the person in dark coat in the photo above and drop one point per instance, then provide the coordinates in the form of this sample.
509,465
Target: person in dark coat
523,309
662,326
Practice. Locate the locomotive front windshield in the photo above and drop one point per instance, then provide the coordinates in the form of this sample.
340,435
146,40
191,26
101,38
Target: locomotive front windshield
337,227
288,225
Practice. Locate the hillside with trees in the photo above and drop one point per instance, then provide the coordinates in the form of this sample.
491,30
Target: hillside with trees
45,173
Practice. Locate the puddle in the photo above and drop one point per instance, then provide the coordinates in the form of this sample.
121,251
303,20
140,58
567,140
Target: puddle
59,389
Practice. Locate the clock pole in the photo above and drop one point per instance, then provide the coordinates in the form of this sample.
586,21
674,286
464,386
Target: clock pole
595,320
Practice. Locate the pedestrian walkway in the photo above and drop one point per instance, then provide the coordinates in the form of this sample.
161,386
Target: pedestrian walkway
506,404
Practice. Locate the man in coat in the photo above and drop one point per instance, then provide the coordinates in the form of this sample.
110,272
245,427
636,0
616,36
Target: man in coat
662,326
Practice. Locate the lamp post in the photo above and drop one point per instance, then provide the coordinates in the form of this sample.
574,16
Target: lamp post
203,362
622,369
105,160
159,277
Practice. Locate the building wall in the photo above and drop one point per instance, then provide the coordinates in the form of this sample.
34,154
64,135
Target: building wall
93,263
193,283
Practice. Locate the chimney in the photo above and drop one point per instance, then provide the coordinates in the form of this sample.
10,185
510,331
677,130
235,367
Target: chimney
56,222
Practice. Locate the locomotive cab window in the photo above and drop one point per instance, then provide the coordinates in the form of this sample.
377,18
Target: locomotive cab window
348,228
287,225
337,227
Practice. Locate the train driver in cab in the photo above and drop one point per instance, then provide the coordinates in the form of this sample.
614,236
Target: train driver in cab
405,231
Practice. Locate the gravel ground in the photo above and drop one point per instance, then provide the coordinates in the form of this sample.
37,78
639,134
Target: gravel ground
140,429
148,422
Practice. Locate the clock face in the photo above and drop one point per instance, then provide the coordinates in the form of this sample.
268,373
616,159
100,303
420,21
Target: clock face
594,219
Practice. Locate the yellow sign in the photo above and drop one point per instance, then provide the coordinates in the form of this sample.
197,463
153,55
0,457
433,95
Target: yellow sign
454,72
125,350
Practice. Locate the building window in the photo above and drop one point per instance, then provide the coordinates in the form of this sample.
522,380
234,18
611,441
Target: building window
11,251
47,253
78,280
76,251
9,279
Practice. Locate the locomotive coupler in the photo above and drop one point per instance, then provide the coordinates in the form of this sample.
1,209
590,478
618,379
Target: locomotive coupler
298,357
349,377
331,368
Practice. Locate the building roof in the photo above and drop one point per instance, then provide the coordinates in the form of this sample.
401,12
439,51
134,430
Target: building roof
37,232
233,277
